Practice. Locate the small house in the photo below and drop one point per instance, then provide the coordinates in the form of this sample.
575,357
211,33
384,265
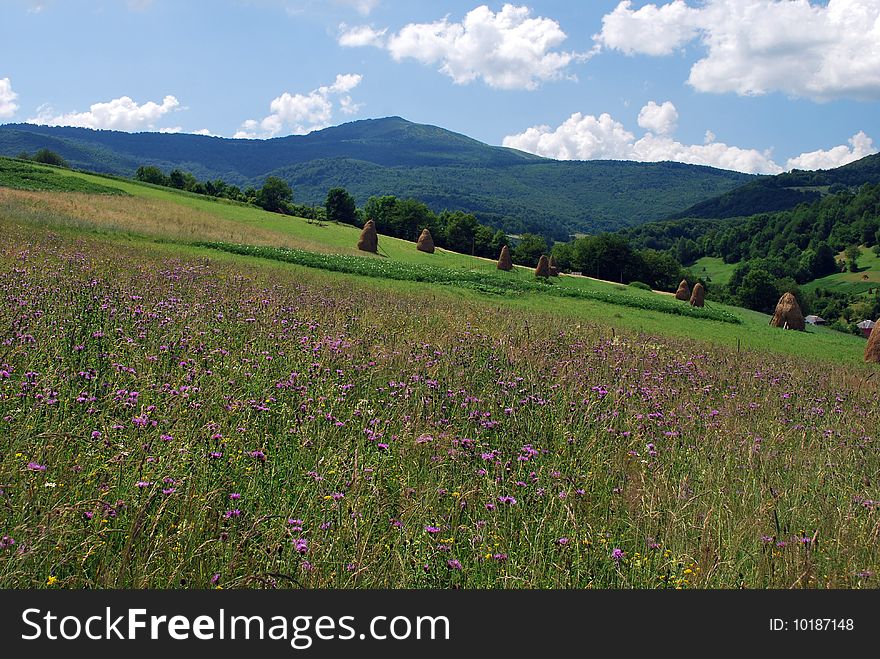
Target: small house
866,326
815,320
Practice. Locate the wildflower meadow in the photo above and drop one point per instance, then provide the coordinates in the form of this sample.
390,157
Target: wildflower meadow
174,419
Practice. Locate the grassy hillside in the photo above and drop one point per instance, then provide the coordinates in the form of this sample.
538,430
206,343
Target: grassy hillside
169,215
865,280
714,270
176,417
182,415
503,187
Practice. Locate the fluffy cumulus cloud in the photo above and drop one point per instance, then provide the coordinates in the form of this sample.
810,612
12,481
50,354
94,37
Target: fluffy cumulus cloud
802,48
360,35
8,106
660,30
586,137
659,119
509,49
299,114
119,114
860,145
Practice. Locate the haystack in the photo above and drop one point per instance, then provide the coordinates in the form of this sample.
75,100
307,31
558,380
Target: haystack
698,297
872,350
504,262
369,240
684,291
426,242
543,269
788,314
554,267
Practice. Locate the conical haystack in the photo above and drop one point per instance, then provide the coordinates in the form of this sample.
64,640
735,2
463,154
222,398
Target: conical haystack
543,269
554,267
504,262
684,291
788,314
872,351
698,297
369,240
426,242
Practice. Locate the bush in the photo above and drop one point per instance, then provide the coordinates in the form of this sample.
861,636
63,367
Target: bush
640,284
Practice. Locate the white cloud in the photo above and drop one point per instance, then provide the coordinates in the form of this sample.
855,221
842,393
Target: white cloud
303,113
860,145
580,137
506,50
653,148
360,35
8,106
119,114
585,137
659,119
659,30
204,131
801,48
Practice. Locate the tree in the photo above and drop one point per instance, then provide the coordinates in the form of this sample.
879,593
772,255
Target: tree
340,206
824,263
275,195
49,158
531,247
182,180
461,232
151,174
758,290
852,257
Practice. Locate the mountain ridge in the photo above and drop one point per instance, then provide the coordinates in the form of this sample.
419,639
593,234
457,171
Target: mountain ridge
783,191
504,187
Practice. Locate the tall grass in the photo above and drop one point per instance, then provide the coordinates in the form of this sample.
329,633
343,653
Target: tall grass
191,422
158,218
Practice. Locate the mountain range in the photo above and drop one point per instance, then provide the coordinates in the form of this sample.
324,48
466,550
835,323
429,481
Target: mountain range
782,192
503,187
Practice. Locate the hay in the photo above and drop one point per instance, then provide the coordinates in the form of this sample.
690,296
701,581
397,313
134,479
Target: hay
369,240
543,268
872,350
788,314
554,267
698,297
504,262
684,291
426,242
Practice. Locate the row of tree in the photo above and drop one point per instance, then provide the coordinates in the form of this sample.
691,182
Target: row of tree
454,230
403,218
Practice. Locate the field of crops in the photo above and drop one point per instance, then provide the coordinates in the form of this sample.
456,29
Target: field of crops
183,421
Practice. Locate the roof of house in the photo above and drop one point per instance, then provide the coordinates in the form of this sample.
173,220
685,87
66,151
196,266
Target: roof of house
814,319
866,324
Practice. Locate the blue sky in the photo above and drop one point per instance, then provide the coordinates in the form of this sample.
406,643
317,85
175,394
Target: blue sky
753,85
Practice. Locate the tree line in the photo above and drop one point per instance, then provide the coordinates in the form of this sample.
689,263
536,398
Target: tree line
778,252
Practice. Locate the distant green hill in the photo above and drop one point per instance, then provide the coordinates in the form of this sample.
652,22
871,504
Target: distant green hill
784,191
504,187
